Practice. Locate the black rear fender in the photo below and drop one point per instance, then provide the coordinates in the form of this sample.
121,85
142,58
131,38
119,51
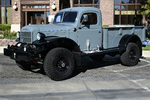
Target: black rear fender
130,38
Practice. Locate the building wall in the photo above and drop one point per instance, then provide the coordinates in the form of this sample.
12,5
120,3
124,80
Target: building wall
107,10
34,1
16,16
71,3
106,7
53,12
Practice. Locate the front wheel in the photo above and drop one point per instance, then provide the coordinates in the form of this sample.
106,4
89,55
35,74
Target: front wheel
59,64
131,56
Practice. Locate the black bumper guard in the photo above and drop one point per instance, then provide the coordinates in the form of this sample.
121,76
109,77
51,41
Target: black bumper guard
17,55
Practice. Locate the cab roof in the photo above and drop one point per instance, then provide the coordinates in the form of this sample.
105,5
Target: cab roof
80,9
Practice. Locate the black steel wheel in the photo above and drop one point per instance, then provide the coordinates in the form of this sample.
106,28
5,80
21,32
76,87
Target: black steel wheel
59,64
131,56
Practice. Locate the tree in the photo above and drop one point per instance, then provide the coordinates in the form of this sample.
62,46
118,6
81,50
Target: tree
146,8
145,11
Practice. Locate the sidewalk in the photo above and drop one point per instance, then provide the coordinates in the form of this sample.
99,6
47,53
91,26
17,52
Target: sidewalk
145,53
1,48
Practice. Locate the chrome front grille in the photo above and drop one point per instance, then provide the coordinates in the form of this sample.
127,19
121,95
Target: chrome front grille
25,37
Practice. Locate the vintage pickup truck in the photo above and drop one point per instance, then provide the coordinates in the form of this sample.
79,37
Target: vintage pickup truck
75,32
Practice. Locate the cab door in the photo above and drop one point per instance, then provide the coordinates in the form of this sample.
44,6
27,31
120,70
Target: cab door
89,32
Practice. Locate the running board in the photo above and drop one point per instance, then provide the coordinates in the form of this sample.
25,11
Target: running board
90,53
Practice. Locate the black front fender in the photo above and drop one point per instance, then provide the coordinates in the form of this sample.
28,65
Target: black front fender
53,42
50,43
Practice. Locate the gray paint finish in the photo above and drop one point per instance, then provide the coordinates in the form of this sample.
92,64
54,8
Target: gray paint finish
87,37
113,35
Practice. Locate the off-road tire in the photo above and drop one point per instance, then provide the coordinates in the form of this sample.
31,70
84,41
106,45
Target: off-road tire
23,65
131,56
59,64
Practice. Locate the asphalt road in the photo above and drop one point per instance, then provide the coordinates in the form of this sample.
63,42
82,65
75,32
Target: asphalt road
105,80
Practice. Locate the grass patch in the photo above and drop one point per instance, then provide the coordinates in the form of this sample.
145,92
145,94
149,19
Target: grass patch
146,48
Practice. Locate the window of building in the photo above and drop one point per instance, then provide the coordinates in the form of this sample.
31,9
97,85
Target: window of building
47,14
86,3
9,15
2,2
127,1
36,6
8,2
2,15
127,12
34,14
5,12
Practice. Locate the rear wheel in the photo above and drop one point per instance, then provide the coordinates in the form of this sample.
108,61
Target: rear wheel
59,64
131,56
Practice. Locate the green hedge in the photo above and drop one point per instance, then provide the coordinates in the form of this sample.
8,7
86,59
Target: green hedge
4,27
7,34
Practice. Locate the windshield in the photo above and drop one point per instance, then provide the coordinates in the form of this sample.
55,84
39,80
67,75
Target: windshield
65,17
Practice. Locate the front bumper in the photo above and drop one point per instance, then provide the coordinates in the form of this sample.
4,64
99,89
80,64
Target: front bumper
17,54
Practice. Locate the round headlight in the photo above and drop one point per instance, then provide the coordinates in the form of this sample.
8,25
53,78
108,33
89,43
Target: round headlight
18,34
38,36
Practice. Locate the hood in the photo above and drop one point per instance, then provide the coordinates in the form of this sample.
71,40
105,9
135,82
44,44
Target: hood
30,31
47,28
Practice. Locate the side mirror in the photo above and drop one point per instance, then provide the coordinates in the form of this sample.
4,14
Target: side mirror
85,18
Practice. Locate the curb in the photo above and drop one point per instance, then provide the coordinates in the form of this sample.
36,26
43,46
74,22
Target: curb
2,48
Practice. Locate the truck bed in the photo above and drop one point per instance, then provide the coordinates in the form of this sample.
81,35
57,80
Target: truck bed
113,35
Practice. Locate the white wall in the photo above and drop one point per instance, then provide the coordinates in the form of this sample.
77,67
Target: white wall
15,27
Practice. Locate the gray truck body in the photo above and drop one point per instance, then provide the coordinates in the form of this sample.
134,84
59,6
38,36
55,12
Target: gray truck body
108,37
75,32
